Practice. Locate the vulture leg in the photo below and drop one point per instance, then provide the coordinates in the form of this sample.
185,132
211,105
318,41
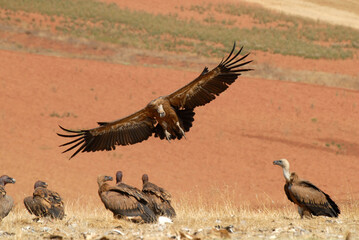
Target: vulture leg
168,135
303,212
181,130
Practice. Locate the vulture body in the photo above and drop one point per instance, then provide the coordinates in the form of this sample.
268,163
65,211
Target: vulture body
309,198
44,202
6,201
124,201
167,117
159,199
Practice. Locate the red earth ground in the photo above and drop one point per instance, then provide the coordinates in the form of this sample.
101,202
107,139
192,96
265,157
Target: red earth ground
229,150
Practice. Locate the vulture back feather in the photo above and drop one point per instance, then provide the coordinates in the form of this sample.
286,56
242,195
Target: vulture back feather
311,198
159,198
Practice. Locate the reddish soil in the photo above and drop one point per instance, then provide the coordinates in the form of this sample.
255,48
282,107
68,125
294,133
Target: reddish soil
229,149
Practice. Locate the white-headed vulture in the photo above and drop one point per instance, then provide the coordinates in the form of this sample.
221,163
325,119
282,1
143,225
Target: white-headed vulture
124,201
44,202
6,201
159,199
167,117
309,198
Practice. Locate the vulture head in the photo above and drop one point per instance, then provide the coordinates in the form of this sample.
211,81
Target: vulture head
119,176
144,178
285,165
156,104
5,179
282,162
102,179
40,184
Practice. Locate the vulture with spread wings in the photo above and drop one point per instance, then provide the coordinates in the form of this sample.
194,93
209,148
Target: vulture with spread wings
167,117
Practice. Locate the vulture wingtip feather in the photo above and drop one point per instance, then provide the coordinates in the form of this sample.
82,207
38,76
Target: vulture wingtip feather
230,54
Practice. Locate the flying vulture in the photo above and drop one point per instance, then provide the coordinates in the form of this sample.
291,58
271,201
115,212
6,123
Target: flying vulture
310,199
124,201
167,117
44,202
6,201
159,198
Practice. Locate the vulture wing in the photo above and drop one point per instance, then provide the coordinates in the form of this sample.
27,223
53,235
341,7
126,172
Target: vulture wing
6,204
129,191
129,130
318,202
126,205
210,84
156,190
159,200
286,190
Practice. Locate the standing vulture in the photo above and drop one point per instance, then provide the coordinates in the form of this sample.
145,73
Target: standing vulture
166,117
124,201
159,199
6,201
310,199
44,202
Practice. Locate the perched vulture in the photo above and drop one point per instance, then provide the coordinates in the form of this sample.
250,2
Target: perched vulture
159,199
6,201
310,199
167,117
44,202
124,201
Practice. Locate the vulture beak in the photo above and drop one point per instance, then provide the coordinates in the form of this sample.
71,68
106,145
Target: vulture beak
12,180
45,184
108,178
277,162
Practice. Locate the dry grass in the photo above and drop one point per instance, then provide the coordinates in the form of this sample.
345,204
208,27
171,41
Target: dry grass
196,218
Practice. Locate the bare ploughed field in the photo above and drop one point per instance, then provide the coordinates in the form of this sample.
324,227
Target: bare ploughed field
222,174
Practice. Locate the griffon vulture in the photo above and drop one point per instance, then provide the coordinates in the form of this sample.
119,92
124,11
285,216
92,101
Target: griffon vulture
44,202
124,201
6,201
159,199
310,199
167,117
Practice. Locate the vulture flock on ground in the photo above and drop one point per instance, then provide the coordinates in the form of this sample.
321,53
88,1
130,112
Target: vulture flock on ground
167,117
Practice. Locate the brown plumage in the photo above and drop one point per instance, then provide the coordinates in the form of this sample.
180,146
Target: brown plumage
309,198
44,202
159,199
124,201
167,117
6,201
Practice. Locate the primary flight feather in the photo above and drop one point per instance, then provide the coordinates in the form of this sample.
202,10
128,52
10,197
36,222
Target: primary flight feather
167,117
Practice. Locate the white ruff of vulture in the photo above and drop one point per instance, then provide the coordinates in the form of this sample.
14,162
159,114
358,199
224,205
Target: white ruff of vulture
159,199
6,201
310,199
124,201
167,117
44,202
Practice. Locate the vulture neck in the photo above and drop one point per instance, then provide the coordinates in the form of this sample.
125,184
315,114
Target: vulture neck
286,174
103,188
